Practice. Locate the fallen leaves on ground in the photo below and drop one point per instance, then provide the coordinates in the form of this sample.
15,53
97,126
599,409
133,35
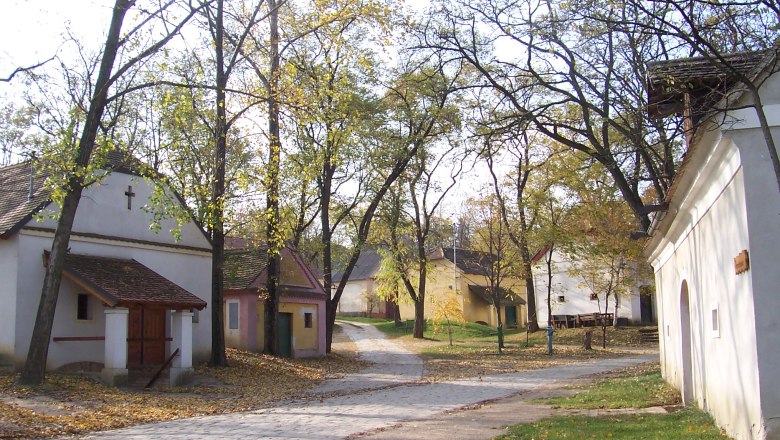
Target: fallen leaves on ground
477,360
69,404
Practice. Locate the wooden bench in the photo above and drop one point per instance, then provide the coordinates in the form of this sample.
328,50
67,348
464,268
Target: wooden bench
595,319
564,321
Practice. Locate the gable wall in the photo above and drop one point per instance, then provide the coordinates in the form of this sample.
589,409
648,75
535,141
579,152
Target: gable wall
8,274
103,210
443,280
353,298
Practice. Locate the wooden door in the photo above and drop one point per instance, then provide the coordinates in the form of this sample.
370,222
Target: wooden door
146,336
511,316
284,333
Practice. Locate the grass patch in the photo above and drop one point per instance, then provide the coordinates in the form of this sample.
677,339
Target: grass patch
460,332
681,425
616,337
641,391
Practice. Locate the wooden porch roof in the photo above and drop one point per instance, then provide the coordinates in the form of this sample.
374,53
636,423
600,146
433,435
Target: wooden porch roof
122,283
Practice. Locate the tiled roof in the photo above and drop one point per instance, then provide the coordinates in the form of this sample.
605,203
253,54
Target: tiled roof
469,261
246,269
243,267
366,267
508,298
16,205
120,282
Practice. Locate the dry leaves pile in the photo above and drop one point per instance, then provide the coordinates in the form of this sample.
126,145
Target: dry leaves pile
67,404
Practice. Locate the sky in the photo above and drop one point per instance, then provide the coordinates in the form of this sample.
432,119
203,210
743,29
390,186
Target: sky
33,30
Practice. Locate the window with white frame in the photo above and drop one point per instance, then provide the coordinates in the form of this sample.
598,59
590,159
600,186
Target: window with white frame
715,321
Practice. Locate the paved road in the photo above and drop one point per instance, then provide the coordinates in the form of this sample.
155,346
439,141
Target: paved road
392,364
360,411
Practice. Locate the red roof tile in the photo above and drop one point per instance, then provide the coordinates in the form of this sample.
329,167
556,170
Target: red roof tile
119,282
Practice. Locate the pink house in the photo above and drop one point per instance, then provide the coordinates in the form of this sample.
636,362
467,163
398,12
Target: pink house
301,323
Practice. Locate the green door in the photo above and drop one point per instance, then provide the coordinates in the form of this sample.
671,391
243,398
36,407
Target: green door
284,333
511,316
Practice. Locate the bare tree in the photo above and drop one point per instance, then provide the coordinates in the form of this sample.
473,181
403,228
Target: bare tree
585,78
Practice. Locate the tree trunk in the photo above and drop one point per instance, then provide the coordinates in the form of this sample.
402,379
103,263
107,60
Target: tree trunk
396,309
500,326
35,365
604,322
530,290
533,319
615,315
419,318
273,234
587,340
218,356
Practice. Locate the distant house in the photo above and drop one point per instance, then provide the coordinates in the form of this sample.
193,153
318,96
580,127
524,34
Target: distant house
301,322
129,297
360,293
570,295
715,250
464,273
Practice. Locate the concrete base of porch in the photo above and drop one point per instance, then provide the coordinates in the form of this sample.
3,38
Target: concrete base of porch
180,376
115,377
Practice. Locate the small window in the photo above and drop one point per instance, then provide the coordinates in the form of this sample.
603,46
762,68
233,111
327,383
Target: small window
84,307
561,298
307,320
715,323
594,297
233,315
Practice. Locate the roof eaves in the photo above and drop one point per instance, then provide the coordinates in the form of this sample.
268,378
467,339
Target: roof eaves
91,288
23,221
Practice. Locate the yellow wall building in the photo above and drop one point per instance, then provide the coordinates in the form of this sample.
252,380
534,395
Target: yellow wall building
463,273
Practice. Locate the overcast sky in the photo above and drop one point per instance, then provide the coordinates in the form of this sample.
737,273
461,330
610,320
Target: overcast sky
33,30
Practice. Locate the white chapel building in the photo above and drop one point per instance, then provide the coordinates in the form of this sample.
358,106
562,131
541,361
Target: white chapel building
129,297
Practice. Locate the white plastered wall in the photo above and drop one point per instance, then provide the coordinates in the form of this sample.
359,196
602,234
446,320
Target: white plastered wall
576,294
9,250
353,299
709,229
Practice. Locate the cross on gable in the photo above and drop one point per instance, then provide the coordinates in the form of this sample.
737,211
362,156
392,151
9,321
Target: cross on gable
130,194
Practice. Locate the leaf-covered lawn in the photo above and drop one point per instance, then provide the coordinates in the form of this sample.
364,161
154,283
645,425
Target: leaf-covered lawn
479,359
67,404
475,350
